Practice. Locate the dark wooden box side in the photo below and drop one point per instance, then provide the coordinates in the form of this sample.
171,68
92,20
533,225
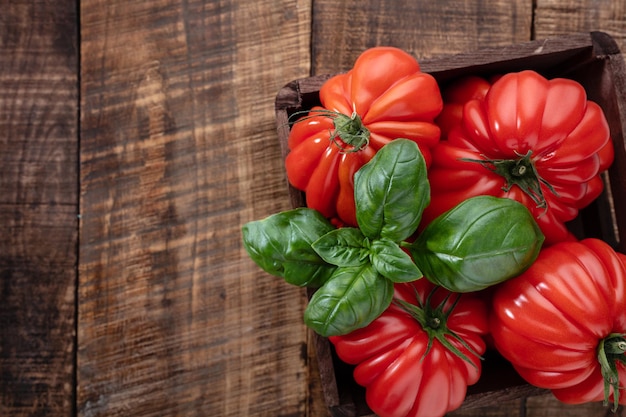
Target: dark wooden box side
594,60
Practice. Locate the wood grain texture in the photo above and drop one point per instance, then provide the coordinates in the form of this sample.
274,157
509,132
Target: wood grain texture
342,30
539,406
556,17
38,207
548,406
178,151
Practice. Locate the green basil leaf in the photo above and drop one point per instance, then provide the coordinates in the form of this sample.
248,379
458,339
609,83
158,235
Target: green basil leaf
392,262
391,191
481,242
343,247
352,298
281,245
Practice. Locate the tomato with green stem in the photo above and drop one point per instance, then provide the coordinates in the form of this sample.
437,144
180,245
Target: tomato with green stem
538,141
562,323
383,97
418,357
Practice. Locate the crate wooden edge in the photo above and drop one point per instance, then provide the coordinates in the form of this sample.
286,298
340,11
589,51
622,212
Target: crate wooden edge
607,47
294,95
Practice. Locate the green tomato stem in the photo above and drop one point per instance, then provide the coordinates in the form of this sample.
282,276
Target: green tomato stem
521,172
612,350
433,321
351,131
349,135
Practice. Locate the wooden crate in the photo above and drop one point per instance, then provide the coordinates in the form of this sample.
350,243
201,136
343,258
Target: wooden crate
594,60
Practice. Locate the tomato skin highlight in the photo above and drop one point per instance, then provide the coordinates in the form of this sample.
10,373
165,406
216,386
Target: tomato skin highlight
401,375
349,164
386,94
550,321
325,174
564,137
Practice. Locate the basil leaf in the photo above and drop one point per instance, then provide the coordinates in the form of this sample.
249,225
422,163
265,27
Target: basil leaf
391,191
481,242
343,247
392,262
281,245
352,298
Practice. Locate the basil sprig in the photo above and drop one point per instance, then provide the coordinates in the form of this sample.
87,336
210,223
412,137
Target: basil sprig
482,241
391,192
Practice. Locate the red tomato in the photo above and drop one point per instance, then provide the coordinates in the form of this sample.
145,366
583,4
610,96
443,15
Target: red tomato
454,98
552,321
383,97
534,140
418,359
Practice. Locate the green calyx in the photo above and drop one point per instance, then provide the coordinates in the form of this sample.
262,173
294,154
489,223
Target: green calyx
351,131
612,350
349,135
434,321
521,172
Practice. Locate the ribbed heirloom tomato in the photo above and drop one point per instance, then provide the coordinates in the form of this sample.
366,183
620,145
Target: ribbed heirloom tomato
419,356
538,141
384,96
562,323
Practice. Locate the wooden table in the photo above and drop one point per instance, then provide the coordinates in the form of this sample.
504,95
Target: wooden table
137,138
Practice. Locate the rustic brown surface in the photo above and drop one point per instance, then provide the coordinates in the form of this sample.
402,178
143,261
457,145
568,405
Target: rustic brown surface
38,207
178,150
175,134
342,30
557,17
539,406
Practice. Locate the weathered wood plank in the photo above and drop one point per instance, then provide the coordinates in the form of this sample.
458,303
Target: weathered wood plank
548,406
178,150
38,207
557,17
539,406
342,30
